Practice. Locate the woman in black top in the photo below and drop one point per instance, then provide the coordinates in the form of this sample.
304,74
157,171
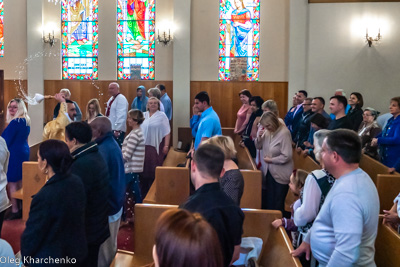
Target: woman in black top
56,224
355,113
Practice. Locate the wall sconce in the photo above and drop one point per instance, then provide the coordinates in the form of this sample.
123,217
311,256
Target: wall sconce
164,38
370,39
49,39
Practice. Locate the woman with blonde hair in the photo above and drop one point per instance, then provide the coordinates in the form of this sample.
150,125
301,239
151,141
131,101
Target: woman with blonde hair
185,239
93,110
16,136
275,141
231,182
156,132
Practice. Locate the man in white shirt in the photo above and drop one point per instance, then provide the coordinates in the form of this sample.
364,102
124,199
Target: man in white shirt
344,232
117,110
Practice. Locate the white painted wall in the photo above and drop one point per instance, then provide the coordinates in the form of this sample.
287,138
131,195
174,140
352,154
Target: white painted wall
338,57
274,44
15,45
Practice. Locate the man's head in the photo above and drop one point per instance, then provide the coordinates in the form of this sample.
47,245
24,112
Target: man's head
307,104
340,92
318,104
71,109
154,92
337,104
202,101
162,88
66,93
77,133
207,165
100,127
340,148
113,89
300,96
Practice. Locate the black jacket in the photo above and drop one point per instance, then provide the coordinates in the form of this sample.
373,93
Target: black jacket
55,227
90,166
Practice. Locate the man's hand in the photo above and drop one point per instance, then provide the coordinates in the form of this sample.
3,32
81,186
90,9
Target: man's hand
267,159
117,134
391,170
391,217
59,97
303,248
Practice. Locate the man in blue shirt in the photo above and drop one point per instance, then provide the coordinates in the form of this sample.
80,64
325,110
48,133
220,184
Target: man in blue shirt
207,122
344,232
165,100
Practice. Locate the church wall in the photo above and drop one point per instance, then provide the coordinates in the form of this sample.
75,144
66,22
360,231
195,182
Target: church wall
337,56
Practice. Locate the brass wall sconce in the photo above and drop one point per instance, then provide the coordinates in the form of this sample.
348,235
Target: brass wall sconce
370,39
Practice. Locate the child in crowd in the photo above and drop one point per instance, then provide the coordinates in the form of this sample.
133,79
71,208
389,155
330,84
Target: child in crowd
297,181
133,149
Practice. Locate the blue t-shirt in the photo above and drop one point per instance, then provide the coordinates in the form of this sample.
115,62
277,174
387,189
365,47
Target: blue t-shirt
208,127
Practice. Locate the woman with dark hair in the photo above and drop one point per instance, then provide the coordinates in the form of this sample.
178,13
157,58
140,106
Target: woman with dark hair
250,132
389,139
56,224
185,239
133,149
244,112
16,136
355,113
369,129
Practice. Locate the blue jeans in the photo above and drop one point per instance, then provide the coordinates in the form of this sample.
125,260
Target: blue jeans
132,182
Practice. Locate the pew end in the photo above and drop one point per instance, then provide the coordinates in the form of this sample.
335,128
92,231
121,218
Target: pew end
33,180
373,167
251,198
388,186
387,246
19,194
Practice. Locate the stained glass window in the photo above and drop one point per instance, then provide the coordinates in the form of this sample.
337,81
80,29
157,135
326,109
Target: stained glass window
135,38
1,28
239,26
79,31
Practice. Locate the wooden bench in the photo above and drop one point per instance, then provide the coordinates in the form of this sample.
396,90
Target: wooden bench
171,184
373,167
32,181
387,246
257,223
388,187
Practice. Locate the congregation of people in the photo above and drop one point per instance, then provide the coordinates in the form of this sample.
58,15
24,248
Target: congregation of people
92,162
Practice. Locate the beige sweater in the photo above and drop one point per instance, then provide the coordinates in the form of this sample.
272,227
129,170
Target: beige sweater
277,146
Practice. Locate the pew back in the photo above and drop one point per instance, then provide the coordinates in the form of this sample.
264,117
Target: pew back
373,167
174,158
257,223
388,187
305,163
33,149
33,180
251,198
387,246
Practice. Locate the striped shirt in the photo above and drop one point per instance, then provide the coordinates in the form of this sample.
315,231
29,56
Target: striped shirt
133,151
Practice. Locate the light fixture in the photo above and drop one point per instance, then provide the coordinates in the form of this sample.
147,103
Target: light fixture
370,39
49,38
163,38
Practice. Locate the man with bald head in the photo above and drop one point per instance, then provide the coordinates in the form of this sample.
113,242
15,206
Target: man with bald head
109,149
117,110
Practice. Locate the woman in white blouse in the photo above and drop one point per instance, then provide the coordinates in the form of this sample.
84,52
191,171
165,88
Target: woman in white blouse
156,132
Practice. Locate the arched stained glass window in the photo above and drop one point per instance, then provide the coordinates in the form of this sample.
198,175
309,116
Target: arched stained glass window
135,39
79,31
1,28
239,25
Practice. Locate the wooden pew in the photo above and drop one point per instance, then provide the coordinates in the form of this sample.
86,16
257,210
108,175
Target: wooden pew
33,149
387,246
32,181
373,167
171,184
257,223
251,198
388,187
